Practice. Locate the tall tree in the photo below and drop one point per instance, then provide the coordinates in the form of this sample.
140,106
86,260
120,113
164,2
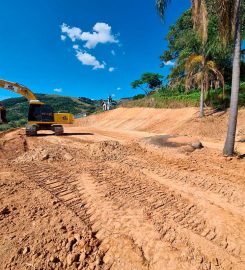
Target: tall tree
231,132
229,13
183,42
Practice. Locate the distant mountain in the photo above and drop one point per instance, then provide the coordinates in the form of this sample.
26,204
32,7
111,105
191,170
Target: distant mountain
17,108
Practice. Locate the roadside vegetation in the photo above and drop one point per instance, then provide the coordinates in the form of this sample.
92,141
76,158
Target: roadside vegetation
227,19
166,98
204,47
199,67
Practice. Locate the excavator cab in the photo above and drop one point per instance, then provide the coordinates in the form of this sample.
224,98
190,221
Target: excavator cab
3,118
40,113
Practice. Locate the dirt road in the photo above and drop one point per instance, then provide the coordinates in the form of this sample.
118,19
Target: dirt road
136,200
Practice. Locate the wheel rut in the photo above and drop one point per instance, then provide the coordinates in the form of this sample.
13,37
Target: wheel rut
179,222
61,185
123,194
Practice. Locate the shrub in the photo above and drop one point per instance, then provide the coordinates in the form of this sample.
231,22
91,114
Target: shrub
140,96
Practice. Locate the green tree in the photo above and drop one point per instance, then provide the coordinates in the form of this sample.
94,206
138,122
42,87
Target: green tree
229,14
148,82
183,42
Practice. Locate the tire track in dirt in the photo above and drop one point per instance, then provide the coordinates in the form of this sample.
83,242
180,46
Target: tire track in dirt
227,191
60,184
185,218
171,215
137,157
121,251
113,220
124,193
180,170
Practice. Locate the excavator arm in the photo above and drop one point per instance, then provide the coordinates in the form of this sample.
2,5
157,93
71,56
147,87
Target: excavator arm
19,89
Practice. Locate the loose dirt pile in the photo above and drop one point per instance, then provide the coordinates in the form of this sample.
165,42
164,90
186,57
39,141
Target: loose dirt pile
49,153
12,144
112,150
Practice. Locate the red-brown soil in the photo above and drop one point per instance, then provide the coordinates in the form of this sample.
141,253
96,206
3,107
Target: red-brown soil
124,189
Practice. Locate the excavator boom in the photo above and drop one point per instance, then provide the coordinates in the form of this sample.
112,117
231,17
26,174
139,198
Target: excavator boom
19,89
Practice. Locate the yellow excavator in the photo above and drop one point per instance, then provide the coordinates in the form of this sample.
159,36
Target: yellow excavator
40,116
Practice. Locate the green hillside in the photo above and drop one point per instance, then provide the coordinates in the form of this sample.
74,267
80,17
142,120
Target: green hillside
17,108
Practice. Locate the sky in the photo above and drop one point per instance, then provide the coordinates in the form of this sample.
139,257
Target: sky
82,48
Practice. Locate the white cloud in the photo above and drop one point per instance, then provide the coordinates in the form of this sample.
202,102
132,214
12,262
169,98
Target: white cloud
113,52
89,60
76,47
113,95
73,33
118,88
58,90
111,69
169,63
63,38
101,34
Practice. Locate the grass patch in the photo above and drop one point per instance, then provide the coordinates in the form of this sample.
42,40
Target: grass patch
165,98
160,100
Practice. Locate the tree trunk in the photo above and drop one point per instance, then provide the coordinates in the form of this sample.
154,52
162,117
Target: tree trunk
202,101
231,133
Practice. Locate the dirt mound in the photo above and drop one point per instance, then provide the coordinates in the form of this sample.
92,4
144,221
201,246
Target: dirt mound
49,153
113,150
184,121
12,144
106,149
212,126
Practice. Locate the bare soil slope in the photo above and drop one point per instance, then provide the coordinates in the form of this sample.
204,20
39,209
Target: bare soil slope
183,121
113,194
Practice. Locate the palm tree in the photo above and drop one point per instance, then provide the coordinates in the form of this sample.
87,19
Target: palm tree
199,15
201,73
231,132
229,14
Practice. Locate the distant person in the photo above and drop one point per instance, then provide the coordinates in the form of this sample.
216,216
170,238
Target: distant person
104,106
109,101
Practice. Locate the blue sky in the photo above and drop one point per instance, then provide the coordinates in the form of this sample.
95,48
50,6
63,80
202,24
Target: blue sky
105,44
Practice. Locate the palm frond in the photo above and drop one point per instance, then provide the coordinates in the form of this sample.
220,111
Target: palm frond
200,73
200,18
226,11
161,6
193,61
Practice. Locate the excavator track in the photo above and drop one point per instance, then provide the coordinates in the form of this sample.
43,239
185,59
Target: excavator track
136,202
60,185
